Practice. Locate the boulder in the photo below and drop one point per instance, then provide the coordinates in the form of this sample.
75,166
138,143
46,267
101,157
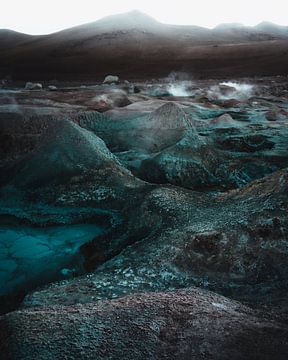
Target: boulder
130,88
110,79
229,103
110,100
33,86
277,115
52,87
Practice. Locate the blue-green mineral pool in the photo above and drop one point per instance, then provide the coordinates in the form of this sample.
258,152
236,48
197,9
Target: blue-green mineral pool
30,257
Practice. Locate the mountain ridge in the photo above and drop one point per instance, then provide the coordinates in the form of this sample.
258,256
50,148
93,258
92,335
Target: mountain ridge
137,17
136,44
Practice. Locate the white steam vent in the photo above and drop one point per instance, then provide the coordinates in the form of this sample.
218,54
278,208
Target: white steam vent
180,84
244,90
180,89
230,90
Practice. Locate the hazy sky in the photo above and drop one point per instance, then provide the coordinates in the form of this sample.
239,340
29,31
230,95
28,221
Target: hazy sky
42,17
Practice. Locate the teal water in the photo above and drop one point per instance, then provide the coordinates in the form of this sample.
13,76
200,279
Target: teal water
30,257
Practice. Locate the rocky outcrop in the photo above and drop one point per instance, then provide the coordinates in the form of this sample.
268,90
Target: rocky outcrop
194,162
184,324
66,166
232,243
195,147
67,150
190,163
142,132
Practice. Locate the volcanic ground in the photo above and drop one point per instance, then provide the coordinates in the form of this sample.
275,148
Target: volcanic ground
144,220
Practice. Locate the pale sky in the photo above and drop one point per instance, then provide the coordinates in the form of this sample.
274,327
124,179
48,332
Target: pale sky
43,17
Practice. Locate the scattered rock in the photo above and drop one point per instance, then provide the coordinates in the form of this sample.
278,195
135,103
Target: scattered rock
225,121
33,86
277,115
52,87
110,100
229,103
110,79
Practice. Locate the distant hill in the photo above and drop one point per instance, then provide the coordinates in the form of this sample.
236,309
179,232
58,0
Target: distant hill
135,45
273,29
10,38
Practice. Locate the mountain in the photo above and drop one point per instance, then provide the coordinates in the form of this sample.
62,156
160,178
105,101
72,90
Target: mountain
128,20
271,28
135,45
10,38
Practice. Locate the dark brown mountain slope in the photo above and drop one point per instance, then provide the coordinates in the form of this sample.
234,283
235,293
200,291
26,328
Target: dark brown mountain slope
135,45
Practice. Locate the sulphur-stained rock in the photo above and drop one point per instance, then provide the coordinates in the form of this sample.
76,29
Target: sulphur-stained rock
183,324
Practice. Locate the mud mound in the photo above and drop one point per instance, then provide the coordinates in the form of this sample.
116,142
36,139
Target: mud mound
66,150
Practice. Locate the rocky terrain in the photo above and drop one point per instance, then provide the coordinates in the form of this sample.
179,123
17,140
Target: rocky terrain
185,324
156,210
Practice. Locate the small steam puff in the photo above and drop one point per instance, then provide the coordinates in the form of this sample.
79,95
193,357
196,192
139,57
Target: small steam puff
180,84
180,89
233,90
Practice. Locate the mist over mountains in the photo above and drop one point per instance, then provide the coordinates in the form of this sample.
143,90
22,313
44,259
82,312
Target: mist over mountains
137,46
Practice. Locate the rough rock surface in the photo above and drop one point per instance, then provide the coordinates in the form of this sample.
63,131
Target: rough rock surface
232,243
234,146
66,150
73,158
183,324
